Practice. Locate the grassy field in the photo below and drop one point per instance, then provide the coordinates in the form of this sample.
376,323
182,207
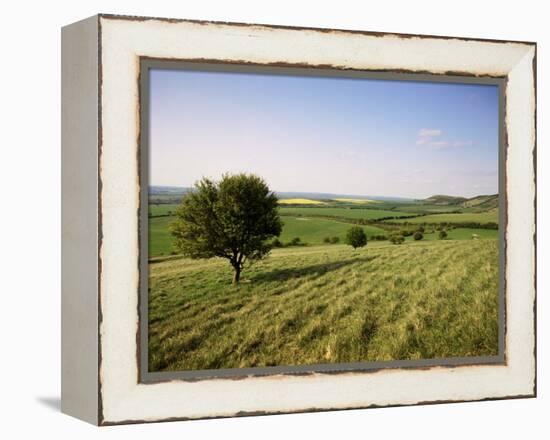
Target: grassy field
313,230
300,202
357,201
310,230
416,208
482,217
366,213
461,234
315,210
162,209
160,239
326,304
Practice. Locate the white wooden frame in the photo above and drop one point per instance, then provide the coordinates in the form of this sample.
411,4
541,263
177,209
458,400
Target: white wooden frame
101,194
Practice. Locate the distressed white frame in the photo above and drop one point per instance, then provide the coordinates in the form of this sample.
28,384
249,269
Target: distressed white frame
122,41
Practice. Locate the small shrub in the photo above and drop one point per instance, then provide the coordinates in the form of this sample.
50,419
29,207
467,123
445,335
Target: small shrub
418,235
397,239
356,237
276,243
379,237
327,240
335,240
296,241
442,234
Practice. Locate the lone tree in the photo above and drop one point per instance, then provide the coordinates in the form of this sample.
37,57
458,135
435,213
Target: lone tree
356,237
233,219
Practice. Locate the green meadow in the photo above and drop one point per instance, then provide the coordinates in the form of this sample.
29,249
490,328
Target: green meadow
313,224
312,302
326,304
345,212
314,230
466,217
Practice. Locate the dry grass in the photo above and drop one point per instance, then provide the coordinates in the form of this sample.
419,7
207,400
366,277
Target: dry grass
327,304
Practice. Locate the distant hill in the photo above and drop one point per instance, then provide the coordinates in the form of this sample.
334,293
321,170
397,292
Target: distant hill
481,203
177,192
168,190
444,200
332,196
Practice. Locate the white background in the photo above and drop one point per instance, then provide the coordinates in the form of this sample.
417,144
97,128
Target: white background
30,220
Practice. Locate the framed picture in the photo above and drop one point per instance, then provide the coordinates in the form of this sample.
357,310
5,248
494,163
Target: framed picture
263,219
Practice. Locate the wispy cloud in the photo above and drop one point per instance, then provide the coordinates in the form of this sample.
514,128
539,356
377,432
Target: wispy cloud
431,137
426,136
430,132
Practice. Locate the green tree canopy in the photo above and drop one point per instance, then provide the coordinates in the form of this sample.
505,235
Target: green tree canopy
233,219
356,237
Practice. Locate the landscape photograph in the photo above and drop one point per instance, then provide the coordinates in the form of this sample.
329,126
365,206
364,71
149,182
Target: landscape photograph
305,220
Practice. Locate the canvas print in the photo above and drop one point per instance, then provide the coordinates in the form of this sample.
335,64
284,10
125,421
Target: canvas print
308,220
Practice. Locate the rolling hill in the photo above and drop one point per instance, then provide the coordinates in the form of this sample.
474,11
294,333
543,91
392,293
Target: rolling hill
444,200
481,203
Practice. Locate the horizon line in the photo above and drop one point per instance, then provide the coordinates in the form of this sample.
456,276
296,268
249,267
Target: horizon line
349,194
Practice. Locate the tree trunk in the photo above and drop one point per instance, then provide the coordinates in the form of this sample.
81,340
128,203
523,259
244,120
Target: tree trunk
237,274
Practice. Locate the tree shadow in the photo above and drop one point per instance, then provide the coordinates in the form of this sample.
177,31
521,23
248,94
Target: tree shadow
315,269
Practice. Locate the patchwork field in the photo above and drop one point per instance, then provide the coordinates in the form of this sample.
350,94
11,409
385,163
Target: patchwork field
314,230
417,208
351,213
357,201
313,224
482,217
300,202
324,304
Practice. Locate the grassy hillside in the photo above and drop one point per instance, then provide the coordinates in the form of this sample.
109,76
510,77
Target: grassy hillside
481,203
327,304
460,234
444,200
160,239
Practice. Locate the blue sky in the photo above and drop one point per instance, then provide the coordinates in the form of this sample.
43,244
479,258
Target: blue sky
320,134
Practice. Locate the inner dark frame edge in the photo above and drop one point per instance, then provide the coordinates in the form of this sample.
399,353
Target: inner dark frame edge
146,63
